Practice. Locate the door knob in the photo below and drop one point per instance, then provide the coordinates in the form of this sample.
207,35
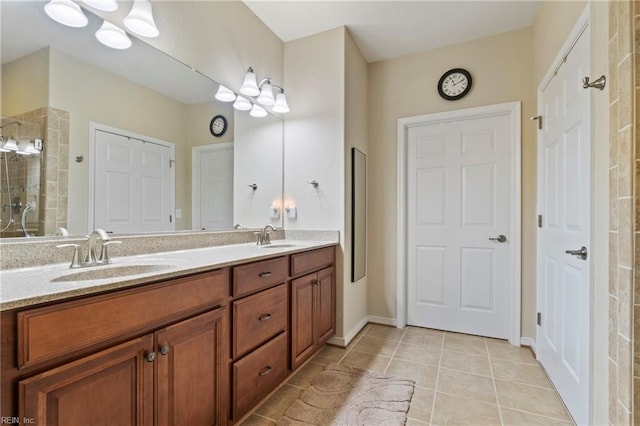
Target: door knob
500,238
582,253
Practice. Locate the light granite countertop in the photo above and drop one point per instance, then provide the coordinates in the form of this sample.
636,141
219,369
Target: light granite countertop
24,287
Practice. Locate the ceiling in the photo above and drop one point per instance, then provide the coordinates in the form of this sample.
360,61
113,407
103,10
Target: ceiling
388,29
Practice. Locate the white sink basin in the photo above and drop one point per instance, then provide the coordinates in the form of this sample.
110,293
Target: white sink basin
277,246
109,272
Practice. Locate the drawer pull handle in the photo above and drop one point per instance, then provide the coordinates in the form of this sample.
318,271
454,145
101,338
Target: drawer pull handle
265,371
150,357
164,350
264,274
264,317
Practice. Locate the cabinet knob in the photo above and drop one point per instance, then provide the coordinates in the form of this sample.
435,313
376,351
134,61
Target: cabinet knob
264,317
317,282
150,357
265,371
164,350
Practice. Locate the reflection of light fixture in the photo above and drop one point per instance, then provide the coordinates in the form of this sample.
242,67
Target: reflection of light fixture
250,86
113,36
140,19
23,148
225,94
66,13
242,104
281,105
266,93
105,5
258,111
10,145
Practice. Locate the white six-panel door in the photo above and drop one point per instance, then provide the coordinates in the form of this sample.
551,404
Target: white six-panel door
458,206
132,184
564,201
213,187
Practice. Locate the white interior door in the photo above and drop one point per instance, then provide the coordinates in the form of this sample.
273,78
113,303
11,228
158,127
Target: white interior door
564,202
459,211
214,174
132,184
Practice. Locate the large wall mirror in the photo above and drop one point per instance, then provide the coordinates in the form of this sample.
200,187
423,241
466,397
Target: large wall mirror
62,87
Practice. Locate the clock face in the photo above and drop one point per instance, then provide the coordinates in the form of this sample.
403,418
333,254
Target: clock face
218,125
454,84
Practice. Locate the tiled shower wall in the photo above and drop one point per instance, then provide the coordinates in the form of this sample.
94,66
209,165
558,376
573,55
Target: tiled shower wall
52,125
624,326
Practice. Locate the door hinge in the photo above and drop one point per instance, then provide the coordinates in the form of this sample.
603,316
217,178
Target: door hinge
539,318
539,221
170,218
171,163
538,118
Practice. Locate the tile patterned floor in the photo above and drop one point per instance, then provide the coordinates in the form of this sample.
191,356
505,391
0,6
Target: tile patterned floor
460,379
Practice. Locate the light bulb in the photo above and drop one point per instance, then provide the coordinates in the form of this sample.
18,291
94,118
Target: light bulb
66,13
225,95
113,36
140,19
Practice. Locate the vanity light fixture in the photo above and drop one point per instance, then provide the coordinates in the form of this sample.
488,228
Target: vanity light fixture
225,94
26,148
281,105
257,111
266,93
250,85
104,5
10,145
242,104
140,19
66,12
113,36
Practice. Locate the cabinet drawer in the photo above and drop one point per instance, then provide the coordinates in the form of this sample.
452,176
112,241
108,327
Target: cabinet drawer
258,318
310,261
48,332
257,374
259,275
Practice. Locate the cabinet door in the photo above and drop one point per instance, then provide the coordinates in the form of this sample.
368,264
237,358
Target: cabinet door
325,306
302,318
191,377
112,387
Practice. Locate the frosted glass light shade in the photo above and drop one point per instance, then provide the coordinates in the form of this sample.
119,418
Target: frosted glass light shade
266,94
140,19
106,5
23,149
258,111
225,94
10,145
250,85
281,105
66,13
112,36
242,104
31,149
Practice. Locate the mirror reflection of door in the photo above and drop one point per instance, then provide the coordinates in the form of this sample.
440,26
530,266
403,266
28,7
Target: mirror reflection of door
213,187
132,183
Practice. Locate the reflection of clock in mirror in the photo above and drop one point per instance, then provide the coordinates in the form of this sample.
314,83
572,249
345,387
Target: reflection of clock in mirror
454,84
218,125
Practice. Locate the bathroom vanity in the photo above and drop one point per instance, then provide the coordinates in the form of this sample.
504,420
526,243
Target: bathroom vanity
198,345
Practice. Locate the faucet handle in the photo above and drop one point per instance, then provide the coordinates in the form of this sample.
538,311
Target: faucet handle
104,254
77,254
259,235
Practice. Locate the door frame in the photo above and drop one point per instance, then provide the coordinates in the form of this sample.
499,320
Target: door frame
196,152
581,24
93,127
512,109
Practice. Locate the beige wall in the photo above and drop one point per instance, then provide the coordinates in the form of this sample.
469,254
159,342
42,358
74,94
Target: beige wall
357,136
501,67
25,84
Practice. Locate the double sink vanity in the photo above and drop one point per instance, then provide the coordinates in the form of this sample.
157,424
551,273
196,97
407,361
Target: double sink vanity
194,336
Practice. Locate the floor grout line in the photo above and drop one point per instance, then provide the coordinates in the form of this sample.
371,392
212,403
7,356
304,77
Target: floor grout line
495,388
395,351
435,385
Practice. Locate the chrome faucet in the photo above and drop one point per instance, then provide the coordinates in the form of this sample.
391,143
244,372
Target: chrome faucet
263,236
92,257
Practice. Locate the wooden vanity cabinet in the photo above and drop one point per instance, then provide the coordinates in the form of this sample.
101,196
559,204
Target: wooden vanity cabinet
152,369
312,304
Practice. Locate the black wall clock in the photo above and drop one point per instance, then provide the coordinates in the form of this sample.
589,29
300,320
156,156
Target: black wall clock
454,84
218,125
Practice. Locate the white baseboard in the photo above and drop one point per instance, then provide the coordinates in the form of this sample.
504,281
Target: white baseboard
528,341
344,341
383,320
